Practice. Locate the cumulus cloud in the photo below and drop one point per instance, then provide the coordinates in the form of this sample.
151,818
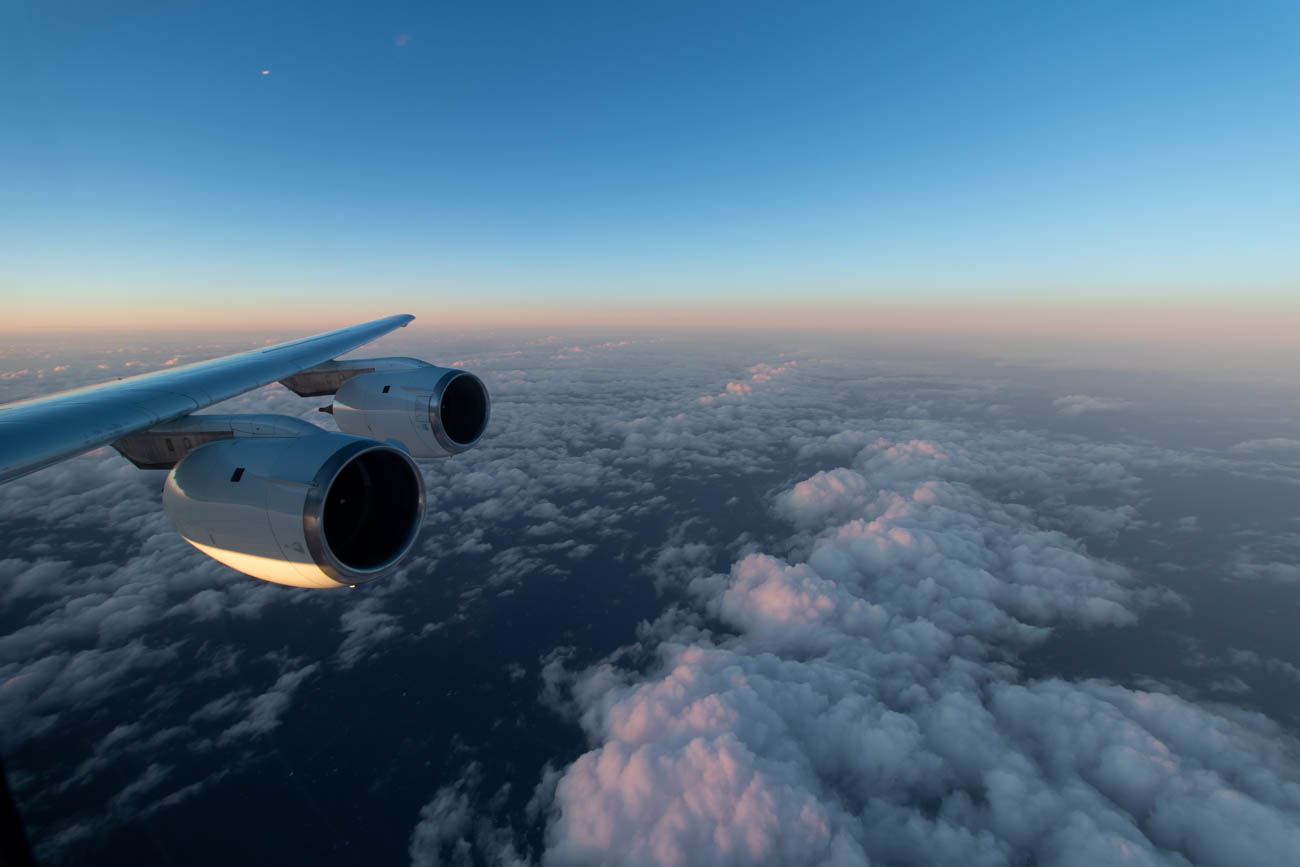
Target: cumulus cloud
451,830
862,706
265,710
759,373
442,834
828,494
1082,404
365,627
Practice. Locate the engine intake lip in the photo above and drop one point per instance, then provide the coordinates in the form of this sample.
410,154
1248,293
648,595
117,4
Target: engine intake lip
363,512
459,409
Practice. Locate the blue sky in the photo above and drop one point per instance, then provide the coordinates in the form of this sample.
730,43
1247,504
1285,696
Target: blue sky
571,155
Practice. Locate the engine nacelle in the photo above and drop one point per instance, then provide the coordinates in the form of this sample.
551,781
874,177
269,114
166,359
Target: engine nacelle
324,510
433,411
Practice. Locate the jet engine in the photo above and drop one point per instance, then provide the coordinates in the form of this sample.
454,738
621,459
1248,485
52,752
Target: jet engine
322,510
433,411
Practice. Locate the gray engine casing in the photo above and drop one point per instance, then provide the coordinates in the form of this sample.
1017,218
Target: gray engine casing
323,510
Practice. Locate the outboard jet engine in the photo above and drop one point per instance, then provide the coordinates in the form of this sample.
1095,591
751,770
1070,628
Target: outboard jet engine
433,411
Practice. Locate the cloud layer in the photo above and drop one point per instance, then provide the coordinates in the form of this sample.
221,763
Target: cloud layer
853,556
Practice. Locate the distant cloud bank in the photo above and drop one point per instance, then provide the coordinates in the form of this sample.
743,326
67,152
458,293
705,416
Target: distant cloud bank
1280,447
1082,404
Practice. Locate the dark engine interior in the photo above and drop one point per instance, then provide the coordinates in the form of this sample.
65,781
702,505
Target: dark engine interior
464,409
372,510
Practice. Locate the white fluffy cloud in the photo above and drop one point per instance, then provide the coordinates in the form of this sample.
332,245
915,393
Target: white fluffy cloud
759,373
828,494
862,705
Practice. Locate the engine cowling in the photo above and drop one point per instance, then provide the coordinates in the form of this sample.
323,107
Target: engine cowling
324,510
433,411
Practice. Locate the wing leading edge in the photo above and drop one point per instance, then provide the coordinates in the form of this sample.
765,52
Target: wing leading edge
37,433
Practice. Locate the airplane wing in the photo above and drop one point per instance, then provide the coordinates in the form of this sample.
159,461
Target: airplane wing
274,496
43,431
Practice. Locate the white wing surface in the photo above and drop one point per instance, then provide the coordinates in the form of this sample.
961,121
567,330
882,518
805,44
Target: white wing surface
43,431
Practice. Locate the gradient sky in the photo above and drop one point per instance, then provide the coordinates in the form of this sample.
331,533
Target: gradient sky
197,162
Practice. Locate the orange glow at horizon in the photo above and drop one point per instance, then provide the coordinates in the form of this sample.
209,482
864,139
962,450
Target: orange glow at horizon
1156,323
